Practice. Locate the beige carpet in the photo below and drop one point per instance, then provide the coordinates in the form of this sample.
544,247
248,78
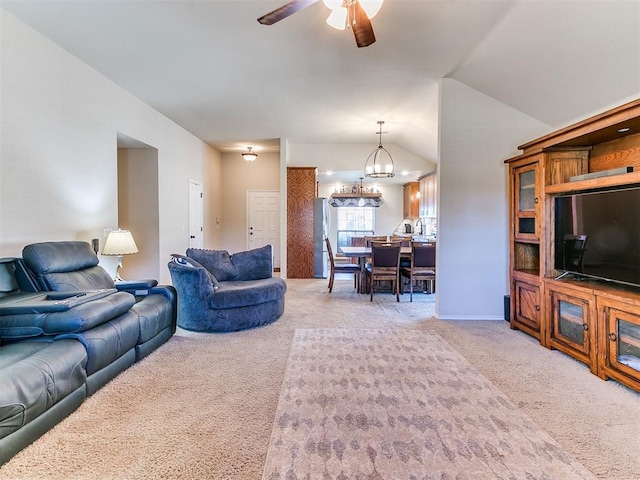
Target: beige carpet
400,404
203,406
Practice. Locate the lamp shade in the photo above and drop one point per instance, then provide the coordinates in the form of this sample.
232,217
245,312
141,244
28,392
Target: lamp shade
119,242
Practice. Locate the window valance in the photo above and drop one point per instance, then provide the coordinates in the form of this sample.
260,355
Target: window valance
356,200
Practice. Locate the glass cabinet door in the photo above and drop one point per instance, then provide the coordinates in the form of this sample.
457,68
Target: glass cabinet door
571,322
624,341
571,326
526,202
527,192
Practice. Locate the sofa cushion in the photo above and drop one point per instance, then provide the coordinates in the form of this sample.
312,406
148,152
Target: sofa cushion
35,376
109,341
253,264
64,266
235,294
155,313
218,262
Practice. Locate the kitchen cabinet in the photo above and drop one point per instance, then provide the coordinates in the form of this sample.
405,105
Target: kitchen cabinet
429,195
411,200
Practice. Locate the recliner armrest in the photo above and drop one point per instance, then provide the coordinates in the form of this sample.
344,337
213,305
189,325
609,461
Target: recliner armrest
131,285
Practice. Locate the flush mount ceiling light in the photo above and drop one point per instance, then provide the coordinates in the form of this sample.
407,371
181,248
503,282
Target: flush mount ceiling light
379,163
249,156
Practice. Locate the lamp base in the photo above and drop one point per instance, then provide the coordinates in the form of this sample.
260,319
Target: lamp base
118,278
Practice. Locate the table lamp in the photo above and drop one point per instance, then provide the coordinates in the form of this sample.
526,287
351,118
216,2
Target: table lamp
119,242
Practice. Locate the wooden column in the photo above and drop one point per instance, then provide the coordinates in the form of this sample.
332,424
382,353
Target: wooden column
301,193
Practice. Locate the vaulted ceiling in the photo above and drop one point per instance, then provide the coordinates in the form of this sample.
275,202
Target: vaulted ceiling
212,68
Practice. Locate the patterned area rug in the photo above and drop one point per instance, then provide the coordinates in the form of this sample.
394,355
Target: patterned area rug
400,404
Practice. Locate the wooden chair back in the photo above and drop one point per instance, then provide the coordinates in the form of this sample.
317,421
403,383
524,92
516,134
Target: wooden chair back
423,255
385,255
404,241
368,239
329,250
575,247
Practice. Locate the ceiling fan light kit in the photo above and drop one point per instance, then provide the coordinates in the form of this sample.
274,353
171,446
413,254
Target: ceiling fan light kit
338,18
250,155
356,14
379,163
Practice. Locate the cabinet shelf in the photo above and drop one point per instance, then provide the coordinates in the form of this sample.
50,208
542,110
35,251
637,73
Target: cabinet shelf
575,319
629,340
624,179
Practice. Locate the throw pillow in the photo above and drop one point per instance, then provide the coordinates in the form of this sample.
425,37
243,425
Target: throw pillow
189,262
217,262
254,264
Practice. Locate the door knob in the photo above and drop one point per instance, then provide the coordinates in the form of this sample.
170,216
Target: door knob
192,236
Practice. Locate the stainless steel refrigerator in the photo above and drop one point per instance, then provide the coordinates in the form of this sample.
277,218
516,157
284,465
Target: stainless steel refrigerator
320,230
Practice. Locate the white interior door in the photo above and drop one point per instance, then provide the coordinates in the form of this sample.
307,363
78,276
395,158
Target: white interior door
196,234
264,221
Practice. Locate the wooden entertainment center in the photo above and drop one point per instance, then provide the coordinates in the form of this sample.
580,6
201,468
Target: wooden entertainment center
595,321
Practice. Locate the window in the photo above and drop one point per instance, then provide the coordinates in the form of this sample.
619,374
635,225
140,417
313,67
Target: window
354,221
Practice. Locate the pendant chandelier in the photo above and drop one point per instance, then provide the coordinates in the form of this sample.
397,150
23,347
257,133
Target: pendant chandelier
379,163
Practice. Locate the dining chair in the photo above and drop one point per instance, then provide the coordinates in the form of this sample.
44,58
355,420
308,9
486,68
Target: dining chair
423,266
368,239
350,268
575,247
385,265
404,241
374,238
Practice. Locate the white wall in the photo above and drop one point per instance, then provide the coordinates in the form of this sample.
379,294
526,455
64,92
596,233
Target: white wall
58,151
477,133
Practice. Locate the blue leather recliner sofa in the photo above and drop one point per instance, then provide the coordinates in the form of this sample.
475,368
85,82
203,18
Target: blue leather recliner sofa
66,329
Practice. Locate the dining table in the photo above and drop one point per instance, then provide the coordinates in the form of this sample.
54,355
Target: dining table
362,253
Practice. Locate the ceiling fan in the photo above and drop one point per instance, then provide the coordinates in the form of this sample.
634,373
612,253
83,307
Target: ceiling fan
355,14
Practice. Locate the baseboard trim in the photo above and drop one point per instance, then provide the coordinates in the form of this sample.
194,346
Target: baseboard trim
468,317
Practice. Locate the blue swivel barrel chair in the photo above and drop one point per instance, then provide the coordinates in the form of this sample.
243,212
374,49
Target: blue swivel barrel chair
219,292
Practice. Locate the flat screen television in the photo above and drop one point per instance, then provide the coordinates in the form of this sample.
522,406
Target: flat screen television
597,234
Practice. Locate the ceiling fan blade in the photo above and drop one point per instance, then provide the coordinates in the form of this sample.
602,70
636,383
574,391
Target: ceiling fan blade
361,26
284,11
